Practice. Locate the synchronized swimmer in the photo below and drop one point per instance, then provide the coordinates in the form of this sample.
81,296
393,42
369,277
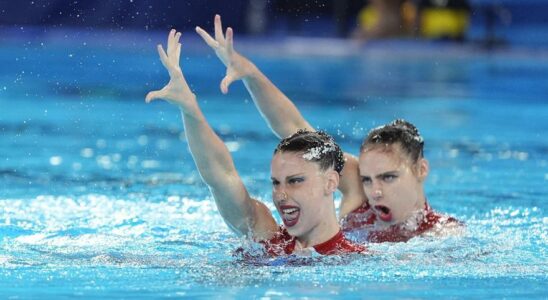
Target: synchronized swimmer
382,190
304,170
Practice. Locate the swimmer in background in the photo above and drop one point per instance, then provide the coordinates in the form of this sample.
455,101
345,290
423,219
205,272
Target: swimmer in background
393,171
304,170
390,172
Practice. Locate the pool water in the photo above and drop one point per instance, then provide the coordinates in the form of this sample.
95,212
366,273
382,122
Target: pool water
99,196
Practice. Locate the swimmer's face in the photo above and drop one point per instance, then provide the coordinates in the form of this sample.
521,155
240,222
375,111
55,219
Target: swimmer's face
302,193
392,182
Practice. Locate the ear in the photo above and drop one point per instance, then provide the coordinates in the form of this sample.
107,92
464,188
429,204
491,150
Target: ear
332,181
423,169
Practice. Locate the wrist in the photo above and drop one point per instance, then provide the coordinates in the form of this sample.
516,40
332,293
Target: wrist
187,104
251,71
241,65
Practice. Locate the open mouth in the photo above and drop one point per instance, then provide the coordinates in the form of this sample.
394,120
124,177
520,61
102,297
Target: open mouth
383,213
290,215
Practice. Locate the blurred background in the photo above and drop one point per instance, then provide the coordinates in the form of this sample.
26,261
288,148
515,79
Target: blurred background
489,22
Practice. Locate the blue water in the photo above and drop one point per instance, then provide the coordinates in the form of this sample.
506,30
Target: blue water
99,196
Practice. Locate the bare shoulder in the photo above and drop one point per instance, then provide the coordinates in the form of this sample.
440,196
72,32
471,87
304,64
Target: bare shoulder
264,225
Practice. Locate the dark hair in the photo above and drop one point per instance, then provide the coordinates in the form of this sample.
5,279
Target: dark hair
398,131
317,146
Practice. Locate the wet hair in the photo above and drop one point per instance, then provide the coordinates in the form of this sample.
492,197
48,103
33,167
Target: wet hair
398,131
316,146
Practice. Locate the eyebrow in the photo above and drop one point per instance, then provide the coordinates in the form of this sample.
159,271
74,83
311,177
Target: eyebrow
393,172
290,176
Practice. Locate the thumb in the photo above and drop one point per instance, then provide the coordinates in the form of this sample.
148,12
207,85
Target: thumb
225,83
151,96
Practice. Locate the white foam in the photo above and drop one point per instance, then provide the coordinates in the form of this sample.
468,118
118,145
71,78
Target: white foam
316,152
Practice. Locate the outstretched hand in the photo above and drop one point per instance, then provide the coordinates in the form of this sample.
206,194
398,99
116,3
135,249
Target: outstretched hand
237,67
177,90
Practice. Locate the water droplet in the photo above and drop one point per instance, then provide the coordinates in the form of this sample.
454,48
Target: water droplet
101,143
55,160
150,164
143,140
232,146
76,166
86,152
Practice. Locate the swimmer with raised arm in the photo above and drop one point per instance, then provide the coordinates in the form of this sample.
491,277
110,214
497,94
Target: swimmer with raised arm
304,169
393,180
279,112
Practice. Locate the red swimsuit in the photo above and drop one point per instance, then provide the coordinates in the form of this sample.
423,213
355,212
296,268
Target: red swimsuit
284,244
364,217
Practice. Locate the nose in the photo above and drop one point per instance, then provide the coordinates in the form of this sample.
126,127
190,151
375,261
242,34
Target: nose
280,195
377,191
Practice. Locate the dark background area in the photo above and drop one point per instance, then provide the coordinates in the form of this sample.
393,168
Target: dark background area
119,14
514,21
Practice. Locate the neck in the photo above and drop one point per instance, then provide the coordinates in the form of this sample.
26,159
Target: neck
416,218
322,232
421,199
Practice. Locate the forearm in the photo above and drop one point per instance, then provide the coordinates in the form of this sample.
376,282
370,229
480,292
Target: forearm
217,170
280,113
350,186
244,215
210,154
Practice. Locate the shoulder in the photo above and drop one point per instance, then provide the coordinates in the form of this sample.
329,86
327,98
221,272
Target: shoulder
339,244
347,246
438,224
435,218
280,243
263,224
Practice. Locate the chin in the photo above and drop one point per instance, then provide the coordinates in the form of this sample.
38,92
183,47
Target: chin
294,230
299,231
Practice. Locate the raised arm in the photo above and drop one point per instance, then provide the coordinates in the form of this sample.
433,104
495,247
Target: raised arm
280,113
277,109
242,214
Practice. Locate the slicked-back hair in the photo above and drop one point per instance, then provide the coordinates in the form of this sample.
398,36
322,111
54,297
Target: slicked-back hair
316,146
398,131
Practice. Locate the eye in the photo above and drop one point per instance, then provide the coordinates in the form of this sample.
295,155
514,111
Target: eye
389,177
295,180
366,180
275,182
